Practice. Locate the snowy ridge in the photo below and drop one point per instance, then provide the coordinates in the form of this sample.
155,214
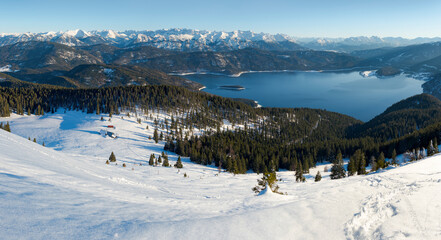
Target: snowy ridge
175,39
66,191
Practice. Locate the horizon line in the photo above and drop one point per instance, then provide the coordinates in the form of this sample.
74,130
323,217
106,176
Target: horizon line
194,29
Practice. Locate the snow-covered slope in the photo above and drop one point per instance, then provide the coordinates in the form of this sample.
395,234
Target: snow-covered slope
66,191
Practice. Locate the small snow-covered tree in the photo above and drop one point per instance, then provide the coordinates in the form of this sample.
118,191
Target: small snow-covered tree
407,156
423,153
267,180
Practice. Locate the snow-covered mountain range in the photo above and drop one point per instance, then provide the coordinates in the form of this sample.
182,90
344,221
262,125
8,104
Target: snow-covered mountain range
174,39
360,43
203,40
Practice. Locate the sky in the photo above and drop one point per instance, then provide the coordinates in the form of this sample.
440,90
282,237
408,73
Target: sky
297,18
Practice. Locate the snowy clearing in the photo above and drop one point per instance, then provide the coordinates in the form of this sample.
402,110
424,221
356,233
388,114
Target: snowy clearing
66,191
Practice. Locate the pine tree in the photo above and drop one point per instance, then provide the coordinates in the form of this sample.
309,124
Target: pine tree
337,169
430,149
318,176
165,162
179,163
112,157
159,159
35,140
360,162
299,173
381,161
152,159
155,136
394,157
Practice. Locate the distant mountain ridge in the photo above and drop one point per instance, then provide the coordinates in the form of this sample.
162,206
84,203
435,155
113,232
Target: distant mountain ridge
172,39
203,40
361,43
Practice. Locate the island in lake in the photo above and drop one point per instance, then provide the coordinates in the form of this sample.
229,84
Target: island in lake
233,87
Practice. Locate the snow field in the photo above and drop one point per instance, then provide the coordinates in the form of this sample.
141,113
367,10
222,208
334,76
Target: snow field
66,191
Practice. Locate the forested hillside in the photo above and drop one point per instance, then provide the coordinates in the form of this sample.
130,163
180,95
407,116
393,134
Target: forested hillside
260,139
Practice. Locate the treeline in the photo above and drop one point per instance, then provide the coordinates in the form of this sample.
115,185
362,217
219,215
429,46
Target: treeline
257,139
200,108
243,150
195,109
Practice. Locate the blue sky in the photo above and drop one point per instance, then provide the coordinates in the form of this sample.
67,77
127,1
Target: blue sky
300,18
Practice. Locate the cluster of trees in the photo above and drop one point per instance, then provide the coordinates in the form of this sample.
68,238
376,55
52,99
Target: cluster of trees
5,127
163,160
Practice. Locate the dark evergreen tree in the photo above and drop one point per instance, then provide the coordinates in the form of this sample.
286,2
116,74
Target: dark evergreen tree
178,163
112,157
299,173
337,169
165,163
394,157
318,177
152,159
155,136
381,162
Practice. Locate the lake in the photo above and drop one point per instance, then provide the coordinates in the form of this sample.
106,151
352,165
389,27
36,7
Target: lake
344,92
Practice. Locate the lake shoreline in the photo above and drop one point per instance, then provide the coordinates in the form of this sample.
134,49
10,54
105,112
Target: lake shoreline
266,71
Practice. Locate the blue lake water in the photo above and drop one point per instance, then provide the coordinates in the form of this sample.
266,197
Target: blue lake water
348,93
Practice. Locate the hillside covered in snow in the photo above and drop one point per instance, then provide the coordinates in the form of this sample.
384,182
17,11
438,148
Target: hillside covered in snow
64,190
